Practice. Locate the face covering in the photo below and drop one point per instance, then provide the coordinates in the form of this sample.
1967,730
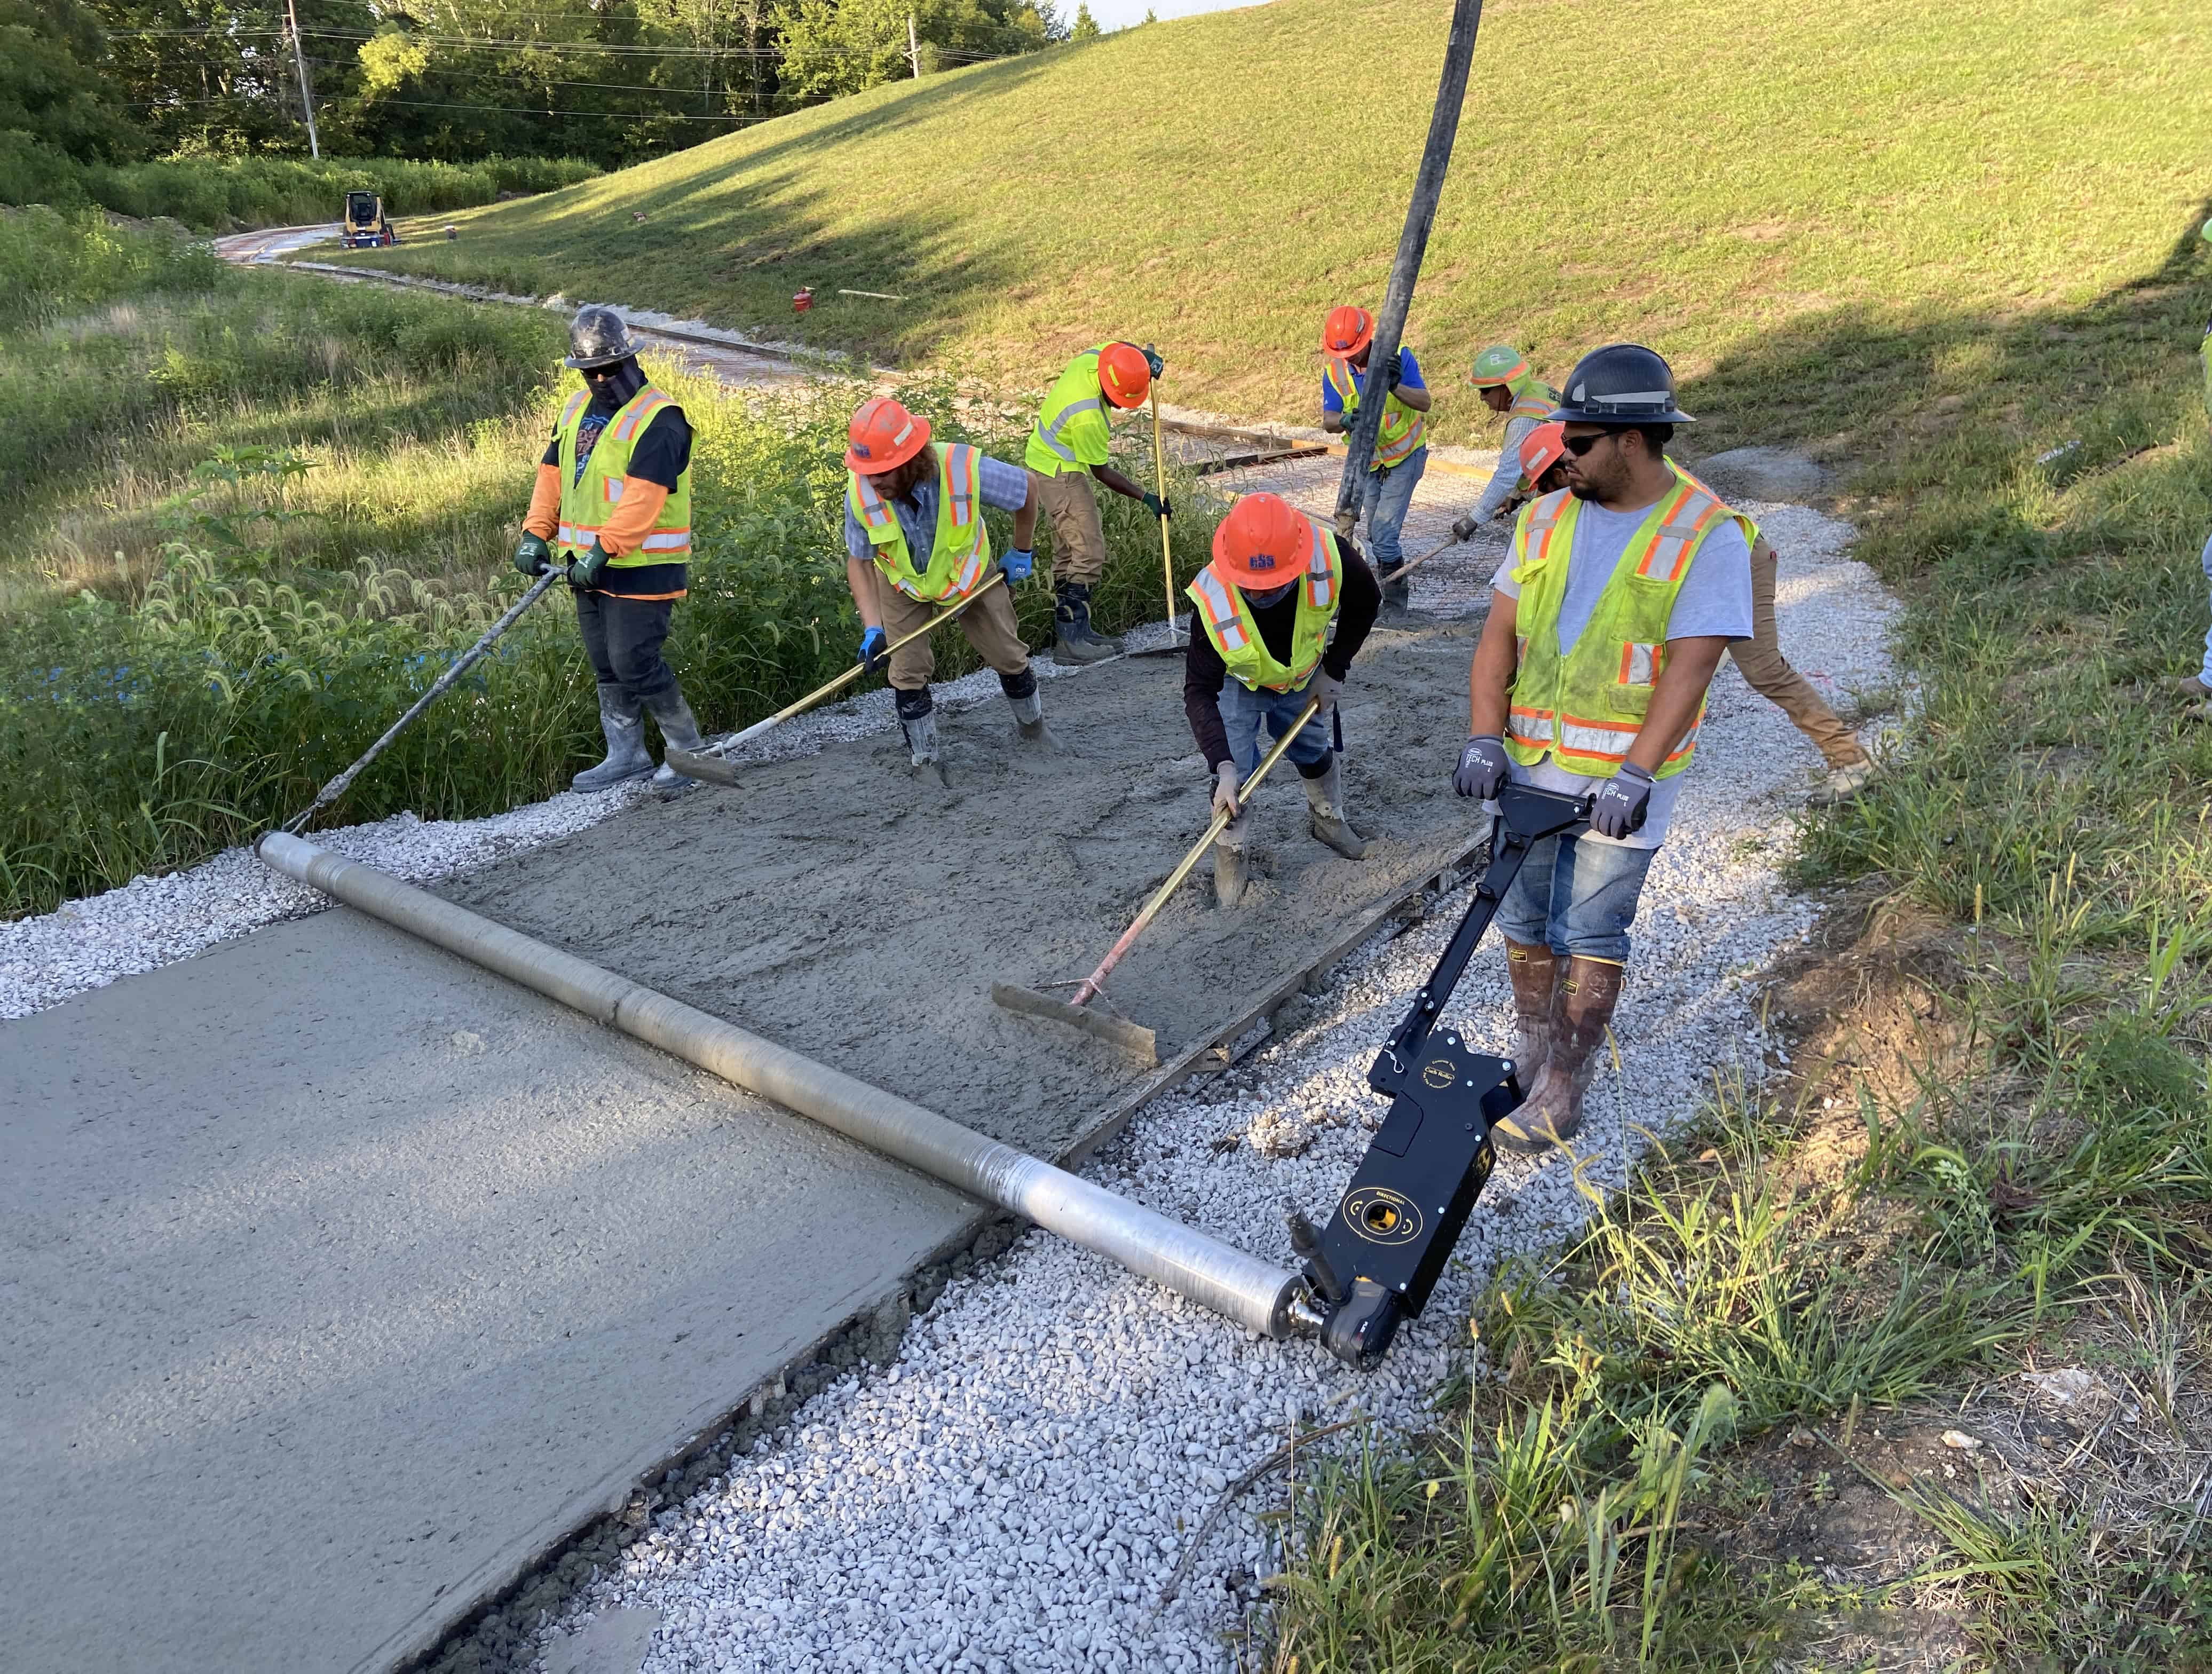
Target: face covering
1260,601
616,390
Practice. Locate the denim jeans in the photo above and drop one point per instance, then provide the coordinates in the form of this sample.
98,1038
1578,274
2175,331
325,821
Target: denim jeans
1577,895
1387,494
2205,673
1242,709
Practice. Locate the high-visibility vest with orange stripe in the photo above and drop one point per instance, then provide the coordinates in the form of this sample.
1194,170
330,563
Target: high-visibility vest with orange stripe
1585,707
586,501
1227,617
959,552
1531,398
1403,429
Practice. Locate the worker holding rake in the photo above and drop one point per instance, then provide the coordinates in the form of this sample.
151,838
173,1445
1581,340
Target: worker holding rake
1510,389
1284,605
1402,449
1069,448
915,543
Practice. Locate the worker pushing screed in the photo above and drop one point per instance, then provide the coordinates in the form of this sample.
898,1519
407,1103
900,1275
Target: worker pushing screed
1401,451
1607,618
613,503
1284,608
915,543
1509,388
1068,449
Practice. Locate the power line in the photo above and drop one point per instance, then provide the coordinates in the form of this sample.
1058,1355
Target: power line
618,49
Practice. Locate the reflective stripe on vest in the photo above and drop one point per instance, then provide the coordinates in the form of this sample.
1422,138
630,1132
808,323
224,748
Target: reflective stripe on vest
1226,616
585,500
1074,393
1531,398
1403,429
960,546
1584,706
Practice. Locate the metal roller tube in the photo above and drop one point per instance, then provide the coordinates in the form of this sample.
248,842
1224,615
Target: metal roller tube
1213,1273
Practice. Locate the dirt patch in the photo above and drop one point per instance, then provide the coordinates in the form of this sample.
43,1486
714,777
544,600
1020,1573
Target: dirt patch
838,905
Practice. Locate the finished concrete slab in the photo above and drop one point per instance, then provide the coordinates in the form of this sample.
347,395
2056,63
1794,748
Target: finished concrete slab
337,1276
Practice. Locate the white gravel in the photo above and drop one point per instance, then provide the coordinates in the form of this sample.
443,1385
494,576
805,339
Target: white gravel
1012,1494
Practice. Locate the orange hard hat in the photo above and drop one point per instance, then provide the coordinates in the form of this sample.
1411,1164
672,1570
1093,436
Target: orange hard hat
1125,376
885,435
1346,332
1264,542
1542,448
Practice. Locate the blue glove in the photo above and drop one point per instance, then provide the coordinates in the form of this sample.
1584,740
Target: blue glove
1157,507
584,572
1394,370
1620,805
871,649
1154,361
534,557
1017,562
1484,767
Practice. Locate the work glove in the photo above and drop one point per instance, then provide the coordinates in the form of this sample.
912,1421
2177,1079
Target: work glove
1017,562
1153,361
871,649
534,557
1466,526
1157,507
1324,688
1226,779
1621,802
584,572
1484,767
1394,370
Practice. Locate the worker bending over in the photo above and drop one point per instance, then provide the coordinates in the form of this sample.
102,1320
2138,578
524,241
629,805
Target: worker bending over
1401,452
1279,582
613,503
1508,388
1609,615
915,544
1068,447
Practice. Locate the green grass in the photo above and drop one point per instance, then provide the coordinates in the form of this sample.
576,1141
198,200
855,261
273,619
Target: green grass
1765,169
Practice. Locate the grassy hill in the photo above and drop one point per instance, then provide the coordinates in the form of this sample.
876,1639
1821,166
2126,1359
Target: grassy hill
1698,176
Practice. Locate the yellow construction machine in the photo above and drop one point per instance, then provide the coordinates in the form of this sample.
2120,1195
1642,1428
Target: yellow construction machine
366,223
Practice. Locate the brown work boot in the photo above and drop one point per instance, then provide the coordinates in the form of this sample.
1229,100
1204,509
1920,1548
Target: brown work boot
1554,1111
2193,688
1535,969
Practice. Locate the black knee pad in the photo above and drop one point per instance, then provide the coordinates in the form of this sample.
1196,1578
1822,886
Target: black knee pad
912,705
1018,686
1316,770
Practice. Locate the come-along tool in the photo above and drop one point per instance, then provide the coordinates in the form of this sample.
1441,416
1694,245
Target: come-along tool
1382,1251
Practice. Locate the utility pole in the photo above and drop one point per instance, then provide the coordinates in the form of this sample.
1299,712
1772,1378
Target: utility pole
306,93
1413,244
913,45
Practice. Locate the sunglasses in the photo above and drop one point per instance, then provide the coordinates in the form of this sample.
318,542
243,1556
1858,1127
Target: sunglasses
1579,445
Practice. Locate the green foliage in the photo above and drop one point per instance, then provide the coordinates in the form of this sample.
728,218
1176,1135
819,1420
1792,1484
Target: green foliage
49,262
50,85
1085,27
835,47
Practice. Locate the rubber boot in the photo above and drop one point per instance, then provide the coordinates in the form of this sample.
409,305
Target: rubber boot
1228,862
1397,596
1022,698
678,731
621,718
1535,971
922,740
1079,642
1581,1012
1325,797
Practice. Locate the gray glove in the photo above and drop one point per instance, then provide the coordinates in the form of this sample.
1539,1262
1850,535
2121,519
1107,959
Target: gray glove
1466,526
1324,689
1226,779
1621,802
1484,767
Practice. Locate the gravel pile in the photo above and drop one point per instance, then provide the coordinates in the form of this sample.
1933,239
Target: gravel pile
1013,1493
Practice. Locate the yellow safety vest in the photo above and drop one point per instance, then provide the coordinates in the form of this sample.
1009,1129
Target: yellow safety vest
1585,707
960,551
1403,429
1226,616
1073,413
585,501
1531,398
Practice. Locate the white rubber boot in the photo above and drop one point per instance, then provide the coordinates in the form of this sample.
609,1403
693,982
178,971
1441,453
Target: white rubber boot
622,720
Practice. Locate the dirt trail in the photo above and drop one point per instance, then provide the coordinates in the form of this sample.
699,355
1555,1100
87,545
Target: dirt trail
837,904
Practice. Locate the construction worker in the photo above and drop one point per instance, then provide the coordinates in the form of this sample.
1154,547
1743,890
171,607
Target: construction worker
1068,447
1401,452
613,503
1607,618
2198,687
1280,583
1508,388
915,544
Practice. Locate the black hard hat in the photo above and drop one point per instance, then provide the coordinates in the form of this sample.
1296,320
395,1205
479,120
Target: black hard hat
597,338
1623,383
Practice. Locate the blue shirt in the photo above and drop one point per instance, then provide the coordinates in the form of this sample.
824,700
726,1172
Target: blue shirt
1003,486
1332,402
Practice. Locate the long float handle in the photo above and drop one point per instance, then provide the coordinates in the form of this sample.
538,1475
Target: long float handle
1160,487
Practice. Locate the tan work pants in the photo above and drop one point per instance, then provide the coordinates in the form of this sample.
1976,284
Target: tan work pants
1768,673
988,623
1079,539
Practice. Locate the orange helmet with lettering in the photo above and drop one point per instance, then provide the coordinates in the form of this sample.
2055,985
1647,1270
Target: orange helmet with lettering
1263,543
1125,377
884,435
1346,332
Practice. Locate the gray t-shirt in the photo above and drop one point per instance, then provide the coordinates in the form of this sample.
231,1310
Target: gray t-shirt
1715,600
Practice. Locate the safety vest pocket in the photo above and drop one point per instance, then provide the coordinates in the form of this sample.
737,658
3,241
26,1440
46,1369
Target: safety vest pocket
1631,690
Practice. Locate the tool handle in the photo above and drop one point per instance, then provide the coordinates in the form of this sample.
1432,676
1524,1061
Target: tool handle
1090,985
1160,487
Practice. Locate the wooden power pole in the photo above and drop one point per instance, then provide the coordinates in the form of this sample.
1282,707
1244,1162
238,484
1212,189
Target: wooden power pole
1413,244
306,93
913,47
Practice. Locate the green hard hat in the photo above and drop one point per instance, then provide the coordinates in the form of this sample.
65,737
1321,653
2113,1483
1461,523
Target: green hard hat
1500,364
2205,232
